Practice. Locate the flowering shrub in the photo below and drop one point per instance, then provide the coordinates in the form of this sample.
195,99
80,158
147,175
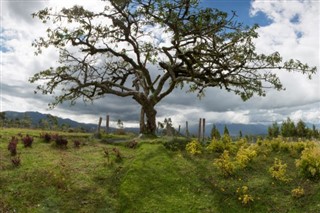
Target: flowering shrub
225,164
194,147
216,146
309,162
225,143
245,155
244,196
278,170
297,192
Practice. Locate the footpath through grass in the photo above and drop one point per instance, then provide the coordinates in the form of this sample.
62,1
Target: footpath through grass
101,177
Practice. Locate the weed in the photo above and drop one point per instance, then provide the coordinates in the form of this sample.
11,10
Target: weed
106,154
12,146
16,161
132,144
76,143
117,153
46,137
27,141
61,142
244,195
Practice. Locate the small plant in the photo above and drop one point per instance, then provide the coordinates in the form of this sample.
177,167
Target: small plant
297,192
278,170
76,144
132,144
16,161
176,144
309,162
194,147
244,196
12,146
46,137
27,141
225,164
106,154
61,142
117,153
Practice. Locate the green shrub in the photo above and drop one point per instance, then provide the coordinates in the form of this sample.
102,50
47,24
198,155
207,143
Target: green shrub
176,144
194,147
309,162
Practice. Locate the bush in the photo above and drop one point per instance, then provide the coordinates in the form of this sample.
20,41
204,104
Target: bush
194,147
245,155
216,146
278,170
309,163
176,144
225,164
61,142
297,192
27,141
46,137
12,146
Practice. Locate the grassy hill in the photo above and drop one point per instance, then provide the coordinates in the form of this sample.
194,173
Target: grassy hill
158,175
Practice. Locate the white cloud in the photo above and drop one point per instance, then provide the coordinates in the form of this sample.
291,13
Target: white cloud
293,31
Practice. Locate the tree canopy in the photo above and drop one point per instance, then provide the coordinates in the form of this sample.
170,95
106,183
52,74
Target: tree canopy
144,49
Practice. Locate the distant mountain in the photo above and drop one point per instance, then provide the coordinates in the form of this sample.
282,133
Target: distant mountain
234,129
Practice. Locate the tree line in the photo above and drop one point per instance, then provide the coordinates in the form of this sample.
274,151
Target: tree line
289,129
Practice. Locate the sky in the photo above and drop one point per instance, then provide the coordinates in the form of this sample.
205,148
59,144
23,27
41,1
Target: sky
290,27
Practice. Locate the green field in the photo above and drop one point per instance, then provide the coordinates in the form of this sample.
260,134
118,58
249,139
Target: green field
156,176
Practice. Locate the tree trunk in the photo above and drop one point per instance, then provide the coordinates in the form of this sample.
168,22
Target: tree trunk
148,113
142,121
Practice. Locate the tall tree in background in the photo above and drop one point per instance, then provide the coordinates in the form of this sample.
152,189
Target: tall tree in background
215,133
288,128
144,49
274,130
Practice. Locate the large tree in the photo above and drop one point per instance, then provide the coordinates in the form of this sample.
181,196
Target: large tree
144,49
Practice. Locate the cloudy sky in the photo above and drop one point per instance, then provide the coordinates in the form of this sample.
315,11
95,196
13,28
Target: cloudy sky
290,27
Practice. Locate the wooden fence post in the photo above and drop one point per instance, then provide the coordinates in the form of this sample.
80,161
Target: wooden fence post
187,129
203,128
99,125
199,130
107,124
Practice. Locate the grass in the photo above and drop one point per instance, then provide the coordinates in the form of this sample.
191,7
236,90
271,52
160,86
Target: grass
150,178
